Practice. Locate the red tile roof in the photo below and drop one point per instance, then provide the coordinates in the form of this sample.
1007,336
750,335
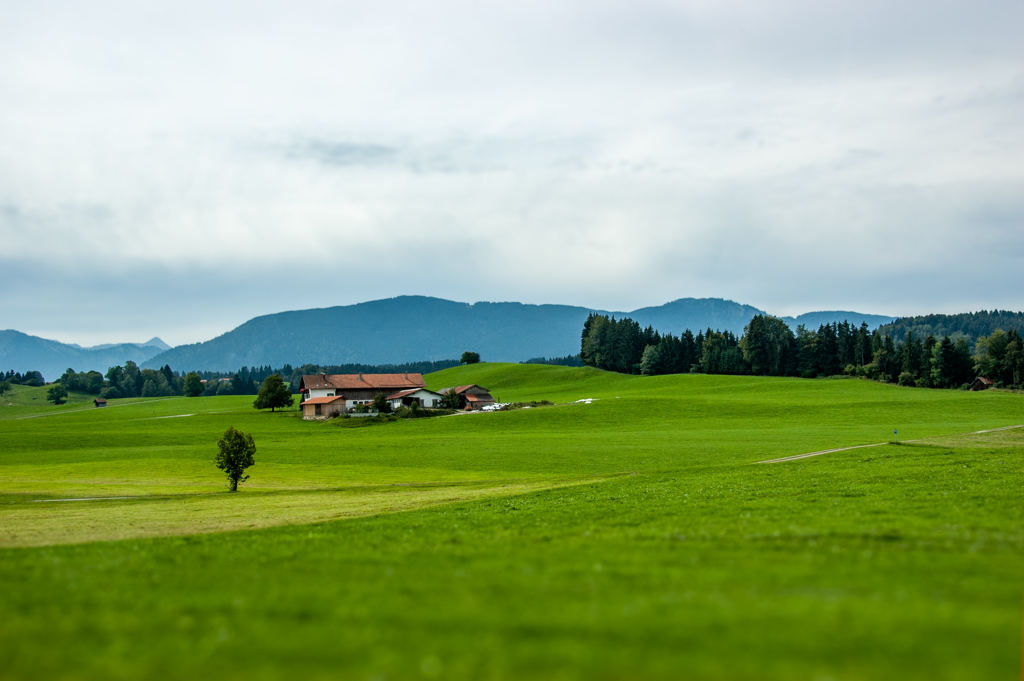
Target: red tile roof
324,400
362,381
459,389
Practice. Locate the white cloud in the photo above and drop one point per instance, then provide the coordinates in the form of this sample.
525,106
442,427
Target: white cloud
607,154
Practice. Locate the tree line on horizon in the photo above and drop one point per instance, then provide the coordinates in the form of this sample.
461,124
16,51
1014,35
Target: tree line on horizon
131,381
768,347
970,325
29,378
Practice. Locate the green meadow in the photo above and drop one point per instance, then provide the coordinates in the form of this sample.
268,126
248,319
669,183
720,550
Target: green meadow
634,537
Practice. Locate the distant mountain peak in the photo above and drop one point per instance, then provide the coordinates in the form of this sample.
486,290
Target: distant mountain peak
156,343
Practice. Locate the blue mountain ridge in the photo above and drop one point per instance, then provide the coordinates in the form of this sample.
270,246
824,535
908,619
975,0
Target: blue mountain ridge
22,352
416,328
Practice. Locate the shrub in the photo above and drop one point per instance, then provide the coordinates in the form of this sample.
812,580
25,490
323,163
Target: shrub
381,404
907,379
869,371
452,400
57,394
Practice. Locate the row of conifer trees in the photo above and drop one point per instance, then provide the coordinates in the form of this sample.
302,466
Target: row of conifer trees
769,347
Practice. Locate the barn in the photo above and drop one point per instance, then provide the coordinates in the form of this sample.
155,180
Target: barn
981,383
323,407
473,397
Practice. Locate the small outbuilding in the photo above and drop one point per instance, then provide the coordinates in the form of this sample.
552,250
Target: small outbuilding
473,397
323,407
981,383
100,402
421,396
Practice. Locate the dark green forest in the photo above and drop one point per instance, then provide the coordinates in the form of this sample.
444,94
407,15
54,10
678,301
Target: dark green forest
567,361
768,347
31,378
971,325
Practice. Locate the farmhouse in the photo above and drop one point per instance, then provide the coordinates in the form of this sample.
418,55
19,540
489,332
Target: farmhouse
356,389
981,383
421,396
472,396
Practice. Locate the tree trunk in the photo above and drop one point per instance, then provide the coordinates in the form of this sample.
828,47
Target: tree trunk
234,485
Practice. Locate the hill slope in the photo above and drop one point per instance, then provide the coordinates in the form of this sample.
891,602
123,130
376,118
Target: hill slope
415,328
22,352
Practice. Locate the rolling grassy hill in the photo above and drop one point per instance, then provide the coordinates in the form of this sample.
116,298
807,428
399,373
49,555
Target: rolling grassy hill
629,537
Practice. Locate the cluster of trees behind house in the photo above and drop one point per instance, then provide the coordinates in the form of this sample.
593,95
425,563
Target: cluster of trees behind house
769,347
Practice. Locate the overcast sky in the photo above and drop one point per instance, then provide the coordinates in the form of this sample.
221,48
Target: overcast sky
176,168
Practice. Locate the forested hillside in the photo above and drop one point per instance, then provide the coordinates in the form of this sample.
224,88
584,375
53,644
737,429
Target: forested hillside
971,325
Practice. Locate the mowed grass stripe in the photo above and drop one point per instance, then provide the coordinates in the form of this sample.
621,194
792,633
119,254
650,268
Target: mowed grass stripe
27,523
154,476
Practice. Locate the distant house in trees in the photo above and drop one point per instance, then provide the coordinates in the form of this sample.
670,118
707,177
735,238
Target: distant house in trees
981,383
354,389
472,396
421,396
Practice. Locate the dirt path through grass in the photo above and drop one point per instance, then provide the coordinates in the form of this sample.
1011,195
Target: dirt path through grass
797,457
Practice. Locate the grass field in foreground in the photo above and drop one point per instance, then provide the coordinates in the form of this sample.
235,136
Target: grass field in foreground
891,562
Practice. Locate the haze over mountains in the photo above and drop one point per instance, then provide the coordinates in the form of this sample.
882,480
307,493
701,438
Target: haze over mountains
21,352
394,330
413,328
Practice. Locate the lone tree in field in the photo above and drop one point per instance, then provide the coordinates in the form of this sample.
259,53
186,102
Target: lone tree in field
236,454
470,357
58,394
273,393
193,385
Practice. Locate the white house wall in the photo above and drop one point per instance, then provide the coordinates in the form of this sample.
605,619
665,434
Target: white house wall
321,392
